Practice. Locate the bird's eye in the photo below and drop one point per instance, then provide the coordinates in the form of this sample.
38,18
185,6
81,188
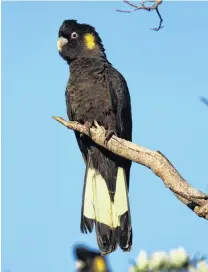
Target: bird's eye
74,35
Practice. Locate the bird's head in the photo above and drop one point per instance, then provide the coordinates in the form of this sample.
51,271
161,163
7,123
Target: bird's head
89,260
78,40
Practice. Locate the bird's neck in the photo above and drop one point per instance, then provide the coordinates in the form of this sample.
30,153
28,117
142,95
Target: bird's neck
88,65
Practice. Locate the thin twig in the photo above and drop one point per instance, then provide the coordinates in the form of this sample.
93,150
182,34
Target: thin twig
155,160
161,20
147,8
130,4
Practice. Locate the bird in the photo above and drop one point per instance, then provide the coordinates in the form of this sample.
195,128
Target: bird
88,260
96,92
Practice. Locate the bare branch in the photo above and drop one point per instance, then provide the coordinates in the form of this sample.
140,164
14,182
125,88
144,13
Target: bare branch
161,20
155,160
130,4
147,8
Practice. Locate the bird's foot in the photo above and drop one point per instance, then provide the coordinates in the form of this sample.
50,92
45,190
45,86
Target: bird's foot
109,133
88,125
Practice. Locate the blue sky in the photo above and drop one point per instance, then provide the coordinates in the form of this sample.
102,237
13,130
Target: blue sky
42,168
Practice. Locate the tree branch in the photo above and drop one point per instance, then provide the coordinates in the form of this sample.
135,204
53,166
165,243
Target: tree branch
155,160
147,8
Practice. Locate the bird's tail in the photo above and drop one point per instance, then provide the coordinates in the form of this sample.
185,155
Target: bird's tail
111,218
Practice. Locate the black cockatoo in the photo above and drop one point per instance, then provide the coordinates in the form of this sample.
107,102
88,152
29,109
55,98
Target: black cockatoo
88,260
97,91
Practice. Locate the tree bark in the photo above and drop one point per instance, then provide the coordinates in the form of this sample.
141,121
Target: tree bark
155,160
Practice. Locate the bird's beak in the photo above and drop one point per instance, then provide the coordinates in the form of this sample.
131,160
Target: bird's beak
79,264
61,42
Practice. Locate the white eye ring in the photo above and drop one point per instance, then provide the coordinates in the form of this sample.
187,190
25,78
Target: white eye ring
74,35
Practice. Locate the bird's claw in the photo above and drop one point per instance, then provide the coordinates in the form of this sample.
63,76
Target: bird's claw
95,123
108,135
88,125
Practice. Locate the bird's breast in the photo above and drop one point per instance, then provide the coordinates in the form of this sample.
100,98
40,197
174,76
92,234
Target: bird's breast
90,101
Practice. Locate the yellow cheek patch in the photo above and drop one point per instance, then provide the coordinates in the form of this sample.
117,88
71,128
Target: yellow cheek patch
99,264
90,41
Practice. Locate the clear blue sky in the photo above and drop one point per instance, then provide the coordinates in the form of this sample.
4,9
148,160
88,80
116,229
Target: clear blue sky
42,169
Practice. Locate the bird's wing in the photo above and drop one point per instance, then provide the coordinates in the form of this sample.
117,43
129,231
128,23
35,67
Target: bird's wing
121,103
80,142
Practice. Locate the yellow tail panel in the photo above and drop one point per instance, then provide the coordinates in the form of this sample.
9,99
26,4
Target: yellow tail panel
97,203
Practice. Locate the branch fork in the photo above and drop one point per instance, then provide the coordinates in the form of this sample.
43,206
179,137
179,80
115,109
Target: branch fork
143,6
